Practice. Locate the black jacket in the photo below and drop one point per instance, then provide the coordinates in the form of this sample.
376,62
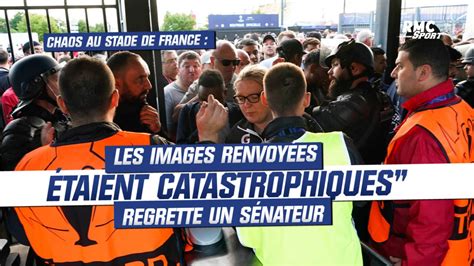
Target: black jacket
288,129
465,90
364,114
97,131
187,133
23,134
317,97
244,132
19,137
127,117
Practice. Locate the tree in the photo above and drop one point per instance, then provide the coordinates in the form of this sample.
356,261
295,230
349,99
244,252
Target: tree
3,25
204,27
39,24
61,25
81,24
97,28
16,20
178,22
13,23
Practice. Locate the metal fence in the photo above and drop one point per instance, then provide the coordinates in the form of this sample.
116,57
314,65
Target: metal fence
28,20
450,19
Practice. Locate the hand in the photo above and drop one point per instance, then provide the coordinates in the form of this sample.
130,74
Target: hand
211,119
178,107
278,60
194,99
47,133
396,261
176,112
150,117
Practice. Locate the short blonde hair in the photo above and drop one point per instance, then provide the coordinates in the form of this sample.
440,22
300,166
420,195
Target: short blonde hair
252,72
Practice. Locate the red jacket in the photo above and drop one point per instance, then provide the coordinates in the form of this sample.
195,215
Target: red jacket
421,228
9,101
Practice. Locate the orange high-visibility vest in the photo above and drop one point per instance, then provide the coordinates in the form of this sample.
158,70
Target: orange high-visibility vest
453,127
94,239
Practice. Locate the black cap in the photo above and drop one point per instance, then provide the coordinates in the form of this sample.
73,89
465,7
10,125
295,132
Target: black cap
268,36
314,34
291,47
469,58
352,52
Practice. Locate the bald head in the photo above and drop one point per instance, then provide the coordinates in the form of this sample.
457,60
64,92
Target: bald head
224,59
244,60
223,47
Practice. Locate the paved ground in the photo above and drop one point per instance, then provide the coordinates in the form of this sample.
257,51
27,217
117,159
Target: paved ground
22,250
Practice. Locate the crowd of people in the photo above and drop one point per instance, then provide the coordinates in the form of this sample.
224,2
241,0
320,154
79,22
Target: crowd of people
263,89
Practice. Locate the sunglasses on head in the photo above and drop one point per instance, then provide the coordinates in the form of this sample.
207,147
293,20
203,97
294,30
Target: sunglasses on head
227,62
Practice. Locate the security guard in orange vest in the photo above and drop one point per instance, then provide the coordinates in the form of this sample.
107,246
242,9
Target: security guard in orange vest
438,129
86,234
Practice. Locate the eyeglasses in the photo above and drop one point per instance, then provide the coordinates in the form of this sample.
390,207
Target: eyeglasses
252,98
227,62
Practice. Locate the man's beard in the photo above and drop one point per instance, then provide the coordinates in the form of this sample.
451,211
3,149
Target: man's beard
126,97
339,86
133,99
127,114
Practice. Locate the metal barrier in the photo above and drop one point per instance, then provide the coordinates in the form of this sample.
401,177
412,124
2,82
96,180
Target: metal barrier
108,8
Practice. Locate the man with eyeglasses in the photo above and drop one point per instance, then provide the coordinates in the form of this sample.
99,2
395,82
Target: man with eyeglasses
248,88
251,48
169,64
